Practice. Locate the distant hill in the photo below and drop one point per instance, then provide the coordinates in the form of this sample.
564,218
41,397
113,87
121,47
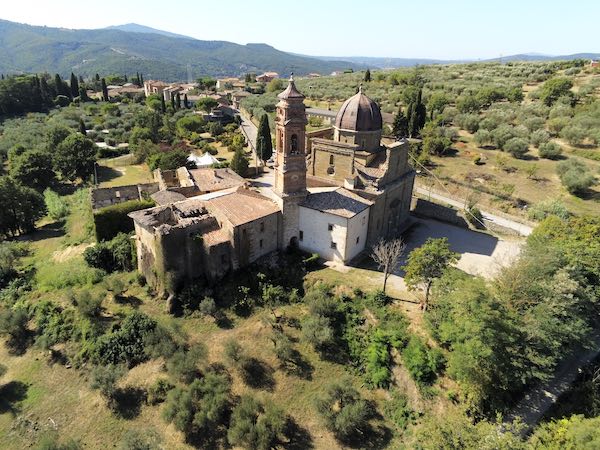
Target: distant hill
137,28
26,48
540,57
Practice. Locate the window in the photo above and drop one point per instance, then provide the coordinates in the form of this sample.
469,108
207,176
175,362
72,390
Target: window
262,227
301,235
260,243
333,245
331,160
294,144
330,227
357,239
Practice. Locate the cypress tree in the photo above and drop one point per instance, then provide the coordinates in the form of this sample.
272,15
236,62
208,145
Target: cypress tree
3,76
186,103
173,102
178,101
97,77
125,78
82,127
83,94
264,145
163,106
74,85
81,79
141,79
46,92
400,126
239,162
36,98
58,85
104,90
367,76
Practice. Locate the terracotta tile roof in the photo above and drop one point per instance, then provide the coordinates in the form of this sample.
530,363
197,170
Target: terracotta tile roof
243,206
210,180
215,237
340,202
166,197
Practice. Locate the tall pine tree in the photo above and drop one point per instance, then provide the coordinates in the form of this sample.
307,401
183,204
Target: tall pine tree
264,145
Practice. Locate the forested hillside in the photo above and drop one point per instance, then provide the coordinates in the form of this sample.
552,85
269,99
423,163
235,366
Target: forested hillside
25,48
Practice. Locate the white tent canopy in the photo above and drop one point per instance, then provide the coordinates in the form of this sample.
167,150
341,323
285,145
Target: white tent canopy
206,160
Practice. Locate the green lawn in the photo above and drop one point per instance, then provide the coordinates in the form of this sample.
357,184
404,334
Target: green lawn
122,171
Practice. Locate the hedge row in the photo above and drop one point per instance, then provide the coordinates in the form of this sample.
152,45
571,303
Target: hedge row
113,220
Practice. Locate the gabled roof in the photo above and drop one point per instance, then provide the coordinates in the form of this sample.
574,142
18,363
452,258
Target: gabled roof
243,206
340,202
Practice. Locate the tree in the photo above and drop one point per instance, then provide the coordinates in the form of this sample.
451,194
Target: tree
575,176
255,425
32,168
21,207
206,104
400,126
104,91
183,364
186,103
74,85
105,379
239,163
550,150
54,137
75,157
416,114
13,324
264,145
367,77
387,256
437,103
516,146
178,100
427,263
573,432
344,412
555,88
163,105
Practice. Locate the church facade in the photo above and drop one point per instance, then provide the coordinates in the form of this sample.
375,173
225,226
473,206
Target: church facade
336,195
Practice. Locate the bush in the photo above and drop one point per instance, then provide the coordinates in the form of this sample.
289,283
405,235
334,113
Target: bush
539,137
105,379
516,146
547,208
422,362
112,256
575,176
184,363
550,150
113,220
208,307
88,305
344,412
13,323
318,332
256,426
398,410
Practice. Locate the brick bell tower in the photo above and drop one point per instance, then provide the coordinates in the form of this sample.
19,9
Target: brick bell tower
290,160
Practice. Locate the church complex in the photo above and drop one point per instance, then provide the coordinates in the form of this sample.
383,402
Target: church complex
336,192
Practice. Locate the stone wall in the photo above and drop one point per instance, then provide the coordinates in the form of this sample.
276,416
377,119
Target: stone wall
103,197
430,210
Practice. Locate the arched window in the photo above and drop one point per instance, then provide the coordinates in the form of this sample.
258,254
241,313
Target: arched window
331,160
294,143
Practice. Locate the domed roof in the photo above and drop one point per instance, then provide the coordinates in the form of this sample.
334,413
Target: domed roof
359,113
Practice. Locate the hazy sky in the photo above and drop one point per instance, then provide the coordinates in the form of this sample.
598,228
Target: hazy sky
395,28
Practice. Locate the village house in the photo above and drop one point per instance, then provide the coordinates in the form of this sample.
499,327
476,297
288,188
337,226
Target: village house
266,77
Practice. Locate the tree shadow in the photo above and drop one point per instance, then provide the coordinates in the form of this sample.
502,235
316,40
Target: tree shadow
11,394
130,300
48,231
223,321
298,437
106,173
129,401
299,366
257,374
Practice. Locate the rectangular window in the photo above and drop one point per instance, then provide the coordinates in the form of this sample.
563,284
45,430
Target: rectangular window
330,227
262,227
331,160
260,243
333,245
301,235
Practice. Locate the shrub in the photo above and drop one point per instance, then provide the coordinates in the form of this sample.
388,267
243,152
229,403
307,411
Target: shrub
474,216
422,362
550,150
88,305
318,332
398,410
105,379
184,363
516,146
575,176
115,255
539,137
13,323
378,360
113,220
344,412
233,352
254,425
207,307
551,207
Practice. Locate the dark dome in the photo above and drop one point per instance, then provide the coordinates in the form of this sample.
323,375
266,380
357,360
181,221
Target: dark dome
359,113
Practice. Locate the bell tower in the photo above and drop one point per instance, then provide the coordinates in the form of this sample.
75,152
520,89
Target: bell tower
290,160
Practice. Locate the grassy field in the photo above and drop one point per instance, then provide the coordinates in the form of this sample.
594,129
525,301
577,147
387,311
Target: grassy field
121,171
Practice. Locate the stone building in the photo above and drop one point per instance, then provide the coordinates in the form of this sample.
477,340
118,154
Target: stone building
351,154
335,193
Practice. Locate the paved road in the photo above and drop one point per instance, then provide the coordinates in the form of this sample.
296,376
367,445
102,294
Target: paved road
251,132
522,229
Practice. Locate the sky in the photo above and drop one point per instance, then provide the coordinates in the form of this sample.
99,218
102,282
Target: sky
459,29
